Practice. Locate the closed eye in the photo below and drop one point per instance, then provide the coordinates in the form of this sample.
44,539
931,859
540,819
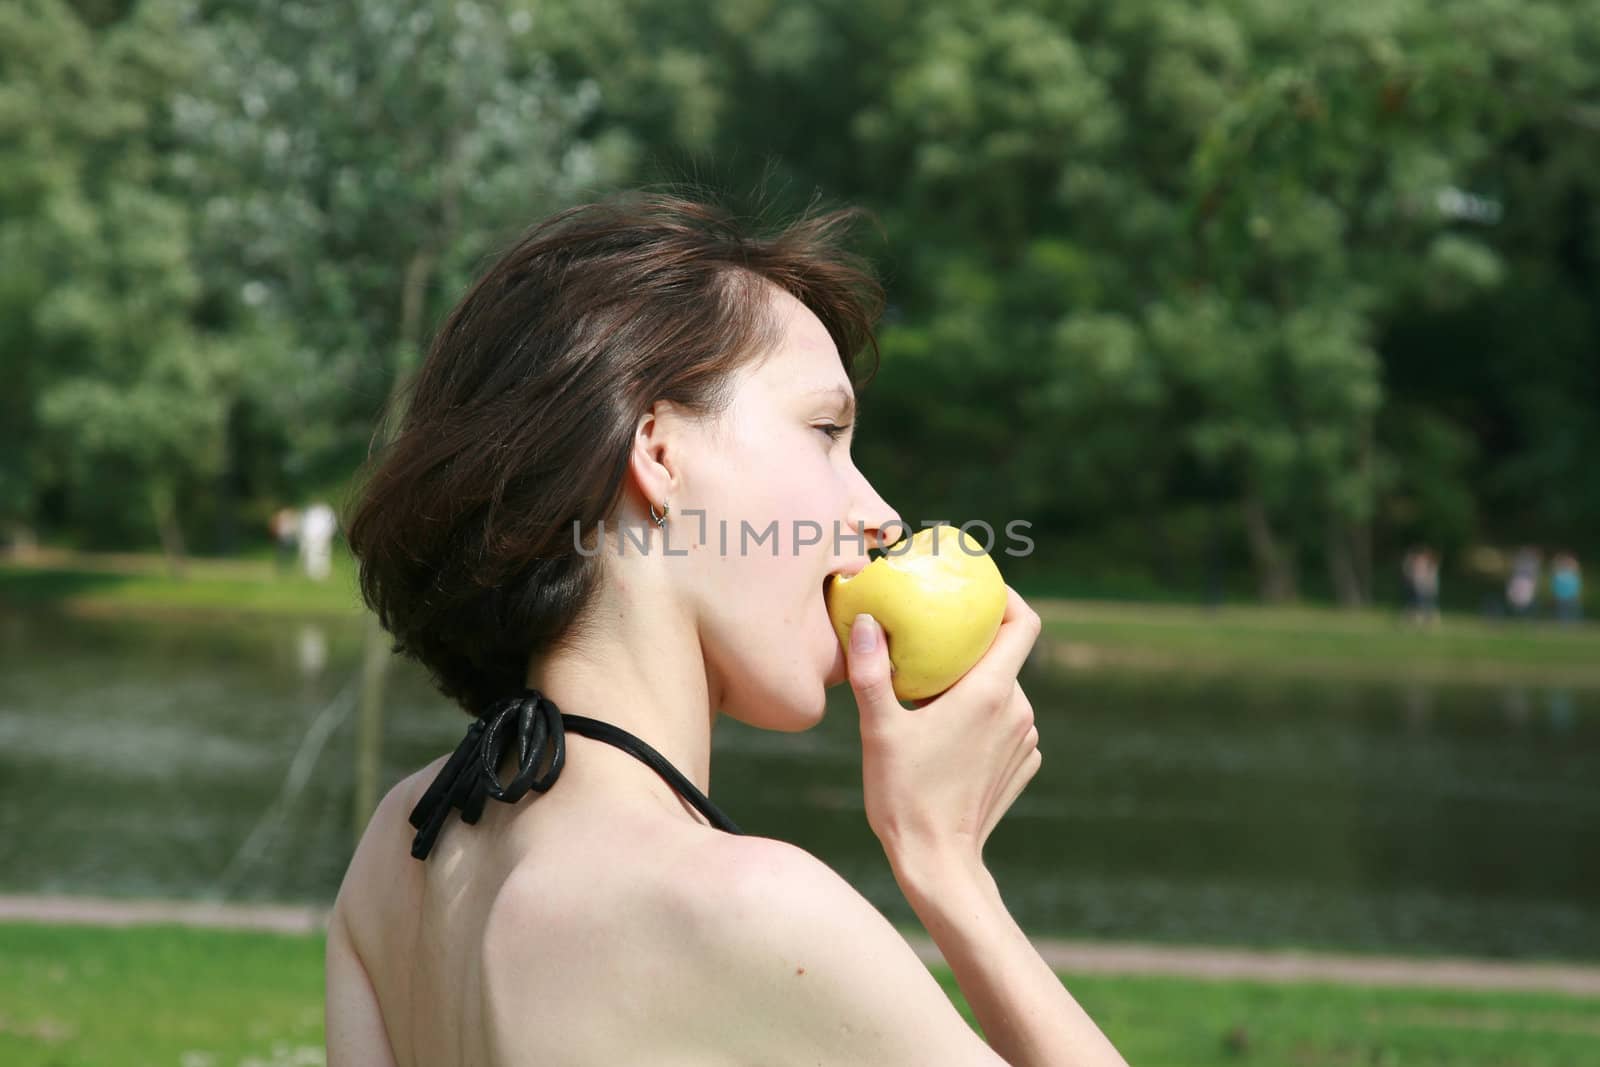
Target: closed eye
833,431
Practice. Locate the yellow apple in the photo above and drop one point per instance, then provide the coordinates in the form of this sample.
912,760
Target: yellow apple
939,602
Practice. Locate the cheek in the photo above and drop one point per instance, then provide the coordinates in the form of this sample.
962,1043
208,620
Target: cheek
761,612
769,490
770,657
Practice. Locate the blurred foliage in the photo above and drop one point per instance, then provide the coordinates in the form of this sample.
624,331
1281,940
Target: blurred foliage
1227,289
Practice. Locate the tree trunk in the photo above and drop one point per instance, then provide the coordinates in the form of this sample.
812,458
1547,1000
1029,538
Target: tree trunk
1274,567
375,650
227,528
1161,548
1216,560
375,655
1361,557
1343,570
1361,531
163,501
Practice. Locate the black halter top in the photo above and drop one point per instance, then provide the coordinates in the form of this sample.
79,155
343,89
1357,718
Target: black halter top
472,774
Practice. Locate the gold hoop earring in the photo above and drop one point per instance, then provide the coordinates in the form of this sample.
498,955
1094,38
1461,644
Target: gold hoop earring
661,519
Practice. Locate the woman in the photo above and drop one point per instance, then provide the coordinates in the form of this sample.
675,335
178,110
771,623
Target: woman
646,361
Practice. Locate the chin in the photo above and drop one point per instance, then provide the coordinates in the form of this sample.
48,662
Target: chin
794,718
796,707
789,722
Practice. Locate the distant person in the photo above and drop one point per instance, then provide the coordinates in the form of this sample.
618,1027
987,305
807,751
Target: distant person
1421,568
285,528
317,527
1408,573
1522,588
1566,587
1428,586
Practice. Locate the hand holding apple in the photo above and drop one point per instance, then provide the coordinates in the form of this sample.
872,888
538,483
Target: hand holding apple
937,778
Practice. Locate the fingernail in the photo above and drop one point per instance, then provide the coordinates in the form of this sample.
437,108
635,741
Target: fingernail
864,633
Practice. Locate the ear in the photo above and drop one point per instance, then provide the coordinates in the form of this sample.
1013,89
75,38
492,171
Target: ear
654,456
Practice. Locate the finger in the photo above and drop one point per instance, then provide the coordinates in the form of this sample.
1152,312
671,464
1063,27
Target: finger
1023,738
867,661
1018,782
1027,737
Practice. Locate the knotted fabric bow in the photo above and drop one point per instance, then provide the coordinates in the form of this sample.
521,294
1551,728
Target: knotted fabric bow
472,774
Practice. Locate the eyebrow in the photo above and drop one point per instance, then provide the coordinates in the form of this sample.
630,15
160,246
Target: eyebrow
846,398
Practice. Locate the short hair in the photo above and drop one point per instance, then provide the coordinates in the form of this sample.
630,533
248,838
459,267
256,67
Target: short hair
519,423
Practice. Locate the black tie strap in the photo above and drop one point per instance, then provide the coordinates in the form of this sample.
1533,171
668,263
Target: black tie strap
615,735
472,773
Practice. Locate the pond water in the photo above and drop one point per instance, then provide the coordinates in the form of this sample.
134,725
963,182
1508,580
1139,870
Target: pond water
207,760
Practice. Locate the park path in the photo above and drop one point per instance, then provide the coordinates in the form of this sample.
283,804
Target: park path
1079,957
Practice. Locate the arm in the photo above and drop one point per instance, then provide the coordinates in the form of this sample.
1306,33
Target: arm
355,1033
937,779
1027,1014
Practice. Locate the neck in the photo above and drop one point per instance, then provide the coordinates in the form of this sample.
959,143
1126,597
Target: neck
639,666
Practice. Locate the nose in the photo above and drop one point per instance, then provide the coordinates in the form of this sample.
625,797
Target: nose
880,534
875,522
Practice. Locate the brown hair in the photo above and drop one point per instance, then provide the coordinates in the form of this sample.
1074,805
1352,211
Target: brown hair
519,423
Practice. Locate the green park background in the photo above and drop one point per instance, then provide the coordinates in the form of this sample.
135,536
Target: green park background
1234,302
1228,296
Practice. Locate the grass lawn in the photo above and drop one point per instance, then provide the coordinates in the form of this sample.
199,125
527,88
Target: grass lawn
75,996
140,585
86,996
1320,641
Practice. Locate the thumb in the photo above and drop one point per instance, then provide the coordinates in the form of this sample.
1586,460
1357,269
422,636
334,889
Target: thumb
868,664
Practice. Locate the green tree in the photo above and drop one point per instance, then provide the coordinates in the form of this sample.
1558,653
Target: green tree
355,162
114,397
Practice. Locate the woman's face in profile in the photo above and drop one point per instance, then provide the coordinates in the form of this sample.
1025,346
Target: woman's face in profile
783,504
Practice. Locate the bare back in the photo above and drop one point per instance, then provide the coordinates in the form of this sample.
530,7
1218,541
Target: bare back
443,942
582,927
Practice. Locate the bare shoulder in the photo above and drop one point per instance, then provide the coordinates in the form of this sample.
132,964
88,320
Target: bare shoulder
769,956
372,875
784,937
766,908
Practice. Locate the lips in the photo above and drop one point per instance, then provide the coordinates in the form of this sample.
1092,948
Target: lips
838,670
